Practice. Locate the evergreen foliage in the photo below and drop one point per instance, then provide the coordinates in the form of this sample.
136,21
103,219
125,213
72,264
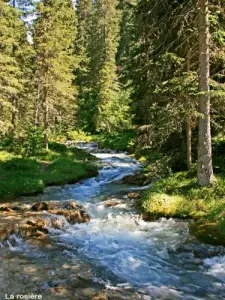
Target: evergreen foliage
108,67
54,34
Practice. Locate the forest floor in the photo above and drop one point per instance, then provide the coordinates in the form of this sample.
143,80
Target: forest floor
60,165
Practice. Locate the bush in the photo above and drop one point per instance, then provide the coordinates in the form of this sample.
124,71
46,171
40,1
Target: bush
29,145
57,147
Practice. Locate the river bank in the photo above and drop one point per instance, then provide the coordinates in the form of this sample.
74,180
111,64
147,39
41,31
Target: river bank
26,176
179,196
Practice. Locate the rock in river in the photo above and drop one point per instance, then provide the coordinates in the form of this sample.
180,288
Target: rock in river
40,206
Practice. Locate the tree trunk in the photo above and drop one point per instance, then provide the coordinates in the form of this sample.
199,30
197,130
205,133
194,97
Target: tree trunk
205,168
188,127
46,120
189,141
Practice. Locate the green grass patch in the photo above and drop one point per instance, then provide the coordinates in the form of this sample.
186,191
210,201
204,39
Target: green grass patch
26,176
180,196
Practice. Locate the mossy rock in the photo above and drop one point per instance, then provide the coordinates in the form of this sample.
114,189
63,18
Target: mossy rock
208,232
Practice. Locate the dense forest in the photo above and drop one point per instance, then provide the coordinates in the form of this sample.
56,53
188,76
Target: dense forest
147,74
112,67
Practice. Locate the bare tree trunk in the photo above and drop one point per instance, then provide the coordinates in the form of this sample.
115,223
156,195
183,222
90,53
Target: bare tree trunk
46,120
189,142
188,127
46,127
205,168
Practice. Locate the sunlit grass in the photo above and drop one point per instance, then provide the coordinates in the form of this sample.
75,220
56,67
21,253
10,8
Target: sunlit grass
60,165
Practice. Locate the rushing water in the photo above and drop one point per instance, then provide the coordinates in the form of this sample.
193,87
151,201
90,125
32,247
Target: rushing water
117,252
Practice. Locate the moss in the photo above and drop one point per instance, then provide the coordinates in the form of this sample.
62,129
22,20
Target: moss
26,176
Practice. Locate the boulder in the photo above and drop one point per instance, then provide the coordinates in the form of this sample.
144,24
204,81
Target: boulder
136,179
72,216
39,223
111,203
38,206
5,209
71,205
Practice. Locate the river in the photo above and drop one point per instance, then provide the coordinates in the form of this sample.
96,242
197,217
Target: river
117,254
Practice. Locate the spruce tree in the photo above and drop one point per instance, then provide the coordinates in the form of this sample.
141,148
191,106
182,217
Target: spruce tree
84,9
54,34
105,87
11,80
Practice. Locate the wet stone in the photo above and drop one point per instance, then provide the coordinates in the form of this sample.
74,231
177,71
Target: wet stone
71,205
40,206
134,195
111,203
38,223
145,217
5,209
100,296
72,216
17,208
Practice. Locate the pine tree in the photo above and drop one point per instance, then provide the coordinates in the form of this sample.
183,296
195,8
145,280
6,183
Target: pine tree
12,32
104,80
84,10
54,34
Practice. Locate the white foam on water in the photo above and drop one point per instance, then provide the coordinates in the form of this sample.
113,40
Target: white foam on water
216,267
133,250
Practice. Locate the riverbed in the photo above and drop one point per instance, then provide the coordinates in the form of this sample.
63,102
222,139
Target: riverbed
117,255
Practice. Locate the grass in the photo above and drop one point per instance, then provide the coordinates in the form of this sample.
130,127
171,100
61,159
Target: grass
179,196
26,176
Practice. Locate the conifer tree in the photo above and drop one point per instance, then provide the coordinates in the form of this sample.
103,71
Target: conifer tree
54,34
105,37
84,10
11,79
